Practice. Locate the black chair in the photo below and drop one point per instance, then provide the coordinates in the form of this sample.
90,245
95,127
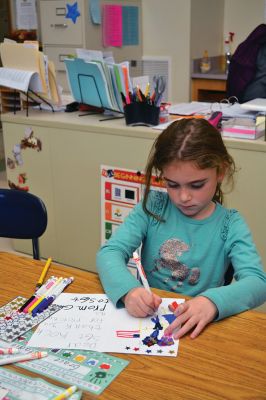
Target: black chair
22,216
228,277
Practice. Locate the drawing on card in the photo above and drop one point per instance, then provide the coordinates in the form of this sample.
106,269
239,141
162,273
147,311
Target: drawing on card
91,322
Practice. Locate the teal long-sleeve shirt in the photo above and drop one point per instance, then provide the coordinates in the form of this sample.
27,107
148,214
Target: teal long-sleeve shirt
186,256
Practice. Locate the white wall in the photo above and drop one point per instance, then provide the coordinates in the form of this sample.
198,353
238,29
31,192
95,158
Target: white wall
242,16
182,28
166,32
206,27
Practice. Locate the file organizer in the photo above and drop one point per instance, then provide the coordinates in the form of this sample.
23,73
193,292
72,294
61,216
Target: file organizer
88,84
24,71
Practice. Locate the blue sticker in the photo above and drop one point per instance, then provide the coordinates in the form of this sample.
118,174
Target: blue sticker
73,12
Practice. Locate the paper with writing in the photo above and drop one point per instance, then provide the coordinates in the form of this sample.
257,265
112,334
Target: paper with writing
90,321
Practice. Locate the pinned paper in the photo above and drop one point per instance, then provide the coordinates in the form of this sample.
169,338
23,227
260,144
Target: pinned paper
130,25
112,26
95,11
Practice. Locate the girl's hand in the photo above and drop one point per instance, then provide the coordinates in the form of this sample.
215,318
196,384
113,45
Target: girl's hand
195,313
139,302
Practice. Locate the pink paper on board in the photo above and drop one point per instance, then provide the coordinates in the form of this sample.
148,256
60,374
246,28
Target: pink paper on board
112,26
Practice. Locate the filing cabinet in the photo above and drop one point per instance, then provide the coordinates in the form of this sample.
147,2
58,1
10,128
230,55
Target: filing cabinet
60,36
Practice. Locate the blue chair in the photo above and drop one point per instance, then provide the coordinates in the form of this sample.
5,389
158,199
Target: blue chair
22,216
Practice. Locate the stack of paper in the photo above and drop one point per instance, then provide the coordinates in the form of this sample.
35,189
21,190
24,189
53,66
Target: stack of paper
244,128
26,68
97,83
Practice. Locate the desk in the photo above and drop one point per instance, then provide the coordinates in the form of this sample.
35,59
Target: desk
66,175
226,362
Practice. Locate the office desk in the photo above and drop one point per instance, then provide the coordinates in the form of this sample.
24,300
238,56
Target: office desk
66,175
226,362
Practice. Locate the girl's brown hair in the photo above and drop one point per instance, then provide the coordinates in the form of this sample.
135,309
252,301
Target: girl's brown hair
193,140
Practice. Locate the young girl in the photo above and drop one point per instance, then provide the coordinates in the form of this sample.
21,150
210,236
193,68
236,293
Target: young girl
188,238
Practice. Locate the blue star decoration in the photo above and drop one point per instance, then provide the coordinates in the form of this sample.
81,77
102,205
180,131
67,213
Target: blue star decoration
73,12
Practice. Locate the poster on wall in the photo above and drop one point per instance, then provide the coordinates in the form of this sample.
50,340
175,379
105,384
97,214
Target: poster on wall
121,190
26,15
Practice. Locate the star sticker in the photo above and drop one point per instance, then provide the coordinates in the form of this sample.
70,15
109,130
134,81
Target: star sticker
73,12
136,349
148,351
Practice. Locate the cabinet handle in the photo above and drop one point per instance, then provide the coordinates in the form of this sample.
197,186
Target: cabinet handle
62,57
59,26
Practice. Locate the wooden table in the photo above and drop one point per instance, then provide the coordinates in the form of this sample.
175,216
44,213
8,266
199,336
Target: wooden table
228,361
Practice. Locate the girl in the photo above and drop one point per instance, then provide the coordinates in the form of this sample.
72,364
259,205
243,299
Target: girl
188,238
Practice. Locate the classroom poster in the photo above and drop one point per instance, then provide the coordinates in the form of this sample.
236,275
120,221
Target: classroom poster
121,190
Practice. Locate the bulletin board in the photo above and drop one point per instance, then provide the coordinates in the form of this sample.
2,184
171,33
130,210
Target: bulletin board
131,48
94,25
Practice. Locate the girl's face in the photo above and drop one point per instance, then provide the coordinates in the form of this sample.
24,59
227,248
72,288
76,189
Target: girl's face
191,189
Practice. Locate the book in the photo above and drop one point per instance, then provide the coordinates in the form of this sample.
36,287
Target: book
258,104
20,80
243,128
26,68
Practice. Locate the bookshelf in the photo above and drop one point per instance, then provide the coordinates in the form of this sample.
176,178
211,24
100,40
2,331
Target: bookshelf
10,100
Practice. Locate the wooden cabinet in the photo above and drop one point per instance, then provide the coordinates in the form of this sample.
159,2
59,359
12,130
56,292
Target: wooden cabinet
10,100
66,175
204,89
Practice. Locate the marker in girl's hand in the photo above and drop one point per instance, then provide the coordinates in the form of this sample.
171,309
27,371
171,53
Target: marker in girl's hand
141,272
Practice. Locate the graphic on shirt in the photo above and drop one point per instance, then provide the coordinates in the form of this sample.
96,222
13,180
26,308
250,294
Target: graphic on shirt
169,254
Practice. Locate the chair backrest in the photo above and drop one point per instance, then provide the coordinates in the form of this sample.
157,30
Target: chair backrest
228,277
22,216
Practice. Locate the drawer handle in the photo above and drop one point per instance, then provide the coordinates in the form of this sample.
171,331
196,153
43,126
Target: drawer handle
62,57
59,26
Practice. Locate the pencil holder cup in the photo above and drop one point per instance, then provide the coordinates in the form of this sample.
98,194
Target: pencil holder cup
140,113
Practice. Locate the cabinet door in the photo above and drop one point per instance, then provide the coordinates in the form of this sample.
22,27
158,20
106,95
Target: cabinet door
56,28
35,166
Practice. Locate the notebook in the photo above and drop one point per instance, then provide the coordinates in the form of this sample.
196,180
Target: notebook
258,104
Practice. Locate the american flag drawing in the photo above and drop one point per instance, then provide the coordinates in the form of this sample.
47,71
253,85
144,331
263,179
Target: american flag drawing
128,334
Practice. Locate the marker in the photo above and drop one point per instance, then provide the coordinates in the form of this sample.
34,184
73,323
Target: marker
8,350
67,393
58,289
37,294
44,272
31,308
142,274
23,357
